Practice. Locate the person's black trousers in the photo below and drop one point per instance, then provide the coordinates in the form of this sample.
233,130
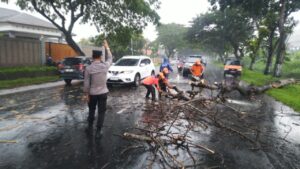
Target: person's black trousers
150,89
100,101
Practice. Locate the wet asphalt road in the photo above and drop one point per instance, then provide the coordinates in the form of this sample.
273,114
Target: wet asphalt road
46,128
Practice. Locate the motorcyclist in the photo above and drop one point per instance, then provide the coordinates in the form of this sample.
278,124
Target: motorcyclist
166,64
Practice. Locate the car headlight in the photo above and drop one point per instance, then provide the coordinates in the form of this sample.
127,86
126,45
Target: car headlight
127,72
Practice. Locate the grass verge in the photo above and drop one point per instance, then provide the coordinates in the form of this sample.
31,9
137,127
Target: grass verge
27,69
6,84
289,95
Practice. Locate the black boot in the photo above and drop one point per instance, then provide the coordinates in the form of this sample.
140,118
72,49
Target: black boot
99,133
89,129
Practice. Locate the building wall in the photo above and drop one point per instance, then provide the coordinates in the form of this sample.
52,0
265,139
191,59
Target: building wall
19,52
59,51
88,50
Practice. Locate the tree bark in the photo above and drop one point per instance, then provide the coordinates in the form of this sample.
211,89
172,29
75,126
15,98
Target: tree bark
281,46
73,44
252,61
270,52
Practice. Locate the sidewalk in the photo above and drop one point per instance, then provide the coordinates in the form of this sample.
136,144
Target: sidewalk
35,87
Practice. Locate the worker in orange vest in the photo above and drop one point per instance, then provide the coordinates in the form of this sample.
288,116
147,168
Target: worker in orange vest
151,83
164,83
197,71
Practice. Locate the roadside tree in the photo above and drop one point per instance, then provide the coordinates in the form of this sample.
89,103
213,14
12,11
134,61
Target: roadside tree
107,16
123,41
172,37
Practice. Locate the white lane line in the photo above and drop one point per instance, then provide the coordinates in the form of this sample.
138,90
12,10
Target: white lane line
122,110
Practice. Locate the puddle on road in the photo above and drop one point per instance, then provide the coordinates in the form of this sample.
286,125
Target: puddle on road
287,122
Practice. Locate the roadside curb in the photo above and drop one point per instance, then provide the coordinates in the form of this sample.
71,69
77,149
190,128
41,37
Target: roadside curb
35,87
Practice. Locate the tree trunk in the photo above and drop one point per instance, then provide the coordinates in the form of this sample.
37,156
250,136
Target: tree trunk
270,52
281,46
236,53
252,62
221,57
73,44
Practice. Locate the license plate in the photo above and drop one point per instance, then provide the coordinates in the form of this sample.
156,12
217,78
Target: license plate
69,70
114,78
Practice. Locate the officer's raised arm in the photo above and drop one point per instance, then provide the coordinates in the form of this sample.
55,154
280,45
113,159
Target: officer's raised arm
108,60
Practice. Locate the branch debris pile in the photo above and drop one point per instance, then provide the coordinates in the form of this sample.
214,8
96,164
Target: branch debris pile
174,132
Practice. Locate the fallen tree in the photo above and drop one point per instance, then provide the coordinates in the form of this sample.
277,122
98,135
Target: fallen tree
170,139
242,87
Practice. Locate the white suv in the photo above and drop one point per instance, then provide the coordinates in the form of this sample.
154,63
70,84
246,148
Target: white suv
130,70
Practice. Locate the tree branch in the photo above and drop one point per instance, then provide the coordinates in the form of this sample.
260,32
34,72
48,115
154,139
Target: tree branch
42,12
63,19
74,17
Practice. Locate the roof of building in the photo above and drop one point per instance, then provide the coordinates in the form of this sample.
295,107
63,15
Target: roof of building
13,16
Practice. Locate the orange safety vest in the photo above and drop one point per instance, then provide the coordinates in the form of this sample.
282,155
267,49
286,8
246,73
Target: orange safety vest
150,81
197,70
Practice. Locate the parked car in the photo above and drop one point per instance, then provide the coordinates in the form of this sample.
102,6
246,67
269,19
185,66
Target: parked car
130,70
73,68
188,63
233,67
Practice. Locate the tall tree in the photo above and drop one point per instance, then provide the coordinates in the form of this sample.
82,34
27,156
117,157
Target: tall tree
229,27
107,15
122,40
210,39
285,26
171,36
279,12
255,44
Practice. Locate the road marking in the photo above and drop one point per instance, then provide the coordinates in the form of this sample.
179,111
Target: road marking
122,110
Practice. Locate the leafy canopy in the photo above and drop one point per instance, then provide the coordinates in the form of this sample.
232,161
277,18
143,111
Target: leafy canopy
107,15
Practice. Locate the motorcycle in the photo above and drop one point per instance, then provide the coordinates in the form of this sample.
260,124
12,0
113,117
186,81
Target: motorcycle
180,67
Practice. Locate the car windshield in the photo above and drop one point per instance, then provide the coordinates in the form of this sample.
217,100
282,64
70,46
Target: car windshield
195,56
234,62
72,61
191,59
127,62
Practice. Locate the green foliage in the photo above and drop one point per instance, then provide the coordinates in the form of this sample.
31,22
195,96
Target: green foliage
256,78
271,19
120,41
106,15
290,67
222,31
289,95
172,36
5,84
6,70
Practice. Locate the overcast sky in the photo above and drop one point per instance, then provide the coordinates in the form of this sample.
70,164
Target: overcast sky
177,11
171,11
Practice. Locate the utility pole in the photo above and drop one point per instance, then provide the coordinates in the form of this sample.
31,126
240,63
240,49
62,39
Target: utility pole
131,46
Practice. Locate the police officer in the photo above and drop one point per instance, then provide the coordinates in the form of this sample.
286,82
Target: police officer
95,88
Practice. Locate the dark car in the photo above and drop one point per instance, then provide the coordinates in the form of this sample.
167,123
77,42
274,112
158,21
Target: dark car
188,63
73,68
232,67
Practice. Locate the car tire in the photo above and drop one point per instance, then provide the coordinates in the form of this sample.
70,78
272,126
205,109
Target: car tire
68,81
109,85
137,79
184,73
